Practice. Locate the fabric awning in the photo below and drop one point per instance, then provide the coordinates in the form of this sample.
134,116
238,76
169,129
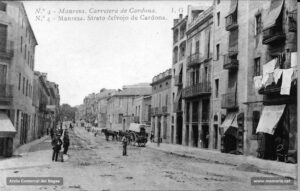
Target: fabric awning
274,12
269,118
179,93
233,6
180,67
6,127
230,121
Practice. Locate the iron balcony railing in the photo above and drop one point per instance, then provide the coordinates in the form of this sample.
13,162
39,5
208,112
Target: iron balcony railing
164,109
231,22
292,16
7,50
230,62
205,117
178,80
273,34
136,119
194,59
229,100
202,88
6,94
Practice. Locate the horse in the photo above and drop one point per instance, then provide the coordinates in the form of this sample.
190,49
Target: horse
108,133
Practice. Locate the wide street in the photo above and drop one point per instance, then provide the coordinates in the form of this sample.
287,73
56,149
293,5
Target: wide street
95,164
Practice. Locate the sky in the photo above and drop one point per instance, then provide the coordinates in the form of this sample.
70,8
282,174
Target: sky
85,56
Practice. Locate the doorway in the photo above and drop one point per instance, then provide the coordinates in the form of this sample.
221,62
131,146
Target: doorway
179,130
215,136
187,130
172,134
205,136
195,135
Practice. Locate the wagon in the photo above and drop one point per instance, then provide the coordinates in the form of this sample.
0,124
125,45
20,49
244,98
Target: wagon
138,134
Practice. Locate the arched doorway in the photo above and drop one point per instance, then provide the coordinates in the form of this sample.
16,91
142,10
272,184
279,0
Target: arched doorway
179,130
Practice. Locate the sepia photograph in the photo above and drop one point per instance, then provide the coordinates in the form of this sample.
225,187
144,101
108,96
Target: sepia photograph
148,95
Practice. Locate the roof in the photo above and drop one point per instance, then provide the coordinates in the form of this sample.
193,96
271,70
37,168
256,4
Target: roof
135,91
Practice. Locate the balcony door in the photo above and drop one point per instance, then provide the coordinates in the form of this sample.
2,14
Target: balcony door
3,72
3,37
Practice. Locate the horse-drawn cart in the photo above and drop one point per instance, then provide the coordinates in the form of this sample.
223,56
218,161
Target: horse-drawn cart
138,134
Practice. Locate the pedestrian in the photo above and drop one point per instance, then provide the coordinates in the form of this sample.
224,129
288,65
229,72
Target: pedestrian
52,133
124,142
152,136
66,142
56,144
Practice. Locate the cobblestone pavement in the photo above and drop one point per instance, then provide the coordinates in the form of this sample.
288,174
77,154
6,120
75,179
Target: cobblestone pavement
95,164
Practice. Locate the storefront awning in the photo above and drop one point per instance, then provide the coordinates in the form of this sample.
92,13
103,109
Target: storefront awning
274,12
269,118
230,121
6,127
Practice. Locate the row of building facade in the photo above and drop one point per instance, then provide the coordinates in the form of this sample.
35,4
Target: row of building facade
29,103
231,86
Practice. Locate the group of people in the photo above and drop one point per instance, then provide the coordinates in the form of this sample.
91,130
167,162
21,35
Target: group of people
59,137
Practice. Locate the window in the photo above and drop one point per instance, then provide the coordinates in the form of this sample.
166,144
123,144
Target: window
21,43
26,88
257,66
120,118
28,57
23,85
25,51
218,51
2,6
258,24
197,47
217,88
218,18
218,1
255,118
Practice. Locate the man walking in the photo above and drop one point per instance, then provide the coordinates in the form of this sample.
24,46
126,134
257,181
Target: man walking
56,143
66,142
124,142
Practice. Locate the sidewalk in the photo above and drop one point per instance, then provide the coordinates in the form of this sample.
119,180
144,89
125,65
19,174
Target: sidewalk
266,166
23,149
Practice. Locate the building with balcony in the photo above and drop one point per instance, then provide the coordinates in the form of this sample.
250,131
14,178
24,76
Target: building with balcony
142,112
178,73
196,90
120,106
17,48
161,107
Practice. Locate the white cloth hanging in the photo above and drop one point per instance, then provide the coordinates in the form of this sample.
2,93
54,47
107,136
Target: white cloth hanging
286,81
277,74
257,82
268,69
294,59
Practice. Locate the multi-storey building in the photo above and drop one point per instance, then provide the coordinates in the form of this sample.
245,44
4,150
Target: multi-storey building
17,48
90,105
178,76
160,106
102,98
142,112
197,87
120,106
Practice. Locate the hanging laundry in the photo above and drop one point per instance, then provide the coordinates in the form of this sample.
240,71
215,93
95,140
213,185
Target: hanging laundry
268,69
257,82
295,74
294,59
286,81
277,74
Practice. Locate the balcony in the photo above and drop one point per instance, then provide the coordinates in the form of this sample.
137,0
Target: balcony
136,119
177,107
292,17
230,62
231,22
205,117
178,80
229,101
197,90
273,34
7,51
6,94
164,110
194,60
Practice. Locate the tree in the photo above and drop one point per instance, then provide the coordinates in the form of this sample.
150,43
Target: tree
67,112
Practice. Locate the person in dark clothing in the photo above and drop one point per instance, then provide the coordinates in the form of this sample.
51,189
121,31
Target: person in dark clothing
152,136
51,133
66,143
124,142
56,144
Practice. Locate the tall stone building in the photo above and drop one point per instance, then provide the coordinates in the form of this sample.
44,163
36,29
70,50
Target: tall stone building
17,48
178,76
197,88
160,106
